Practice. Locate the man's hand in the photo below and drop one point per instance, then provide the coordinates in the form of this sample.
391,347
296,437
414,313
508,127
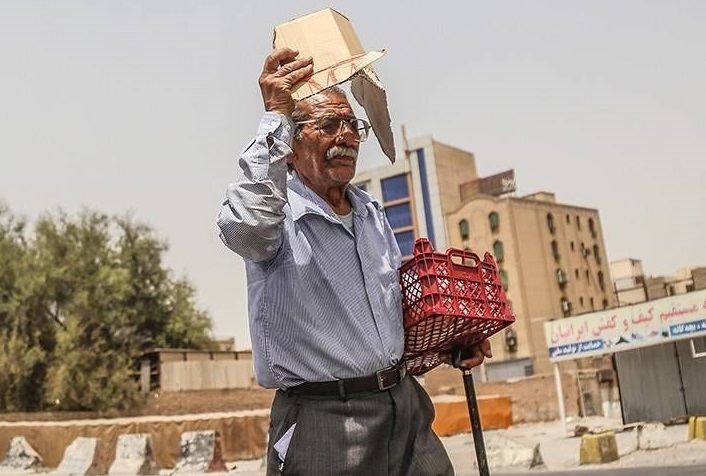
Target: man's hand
279,75
472,356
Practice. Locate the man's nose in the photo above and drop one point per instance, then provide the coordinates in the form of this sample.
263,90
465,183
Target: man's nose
347,134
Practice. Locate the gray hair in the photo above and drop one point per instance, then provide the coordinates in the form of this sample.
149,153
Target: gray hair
300,107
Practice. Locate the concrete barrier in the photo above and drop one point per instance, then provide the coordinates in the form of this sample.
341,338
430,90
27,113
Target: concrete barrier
652,436
452,413
78,457
699,431
503,452
133,455
598,449
20,456
200,452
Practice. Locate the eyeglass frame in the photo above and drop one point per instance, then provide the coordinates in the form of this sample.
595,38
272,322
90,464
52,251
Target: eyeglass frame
362,137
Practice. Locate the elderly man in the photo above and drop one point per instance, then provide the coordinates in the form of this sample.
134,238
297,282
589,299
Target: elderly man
324,298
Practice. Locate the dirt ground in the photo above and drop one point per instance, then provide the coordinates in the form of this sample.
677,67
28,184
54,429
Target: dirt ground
208,401
168,403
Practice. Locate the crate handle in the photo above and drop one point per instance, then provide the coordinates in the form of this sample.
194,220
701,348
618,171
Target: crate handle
422,245
463,254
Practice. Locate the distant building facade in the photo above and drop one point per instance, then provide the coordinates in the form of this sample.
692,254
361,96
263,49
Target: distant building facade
551,256
632,286
677,365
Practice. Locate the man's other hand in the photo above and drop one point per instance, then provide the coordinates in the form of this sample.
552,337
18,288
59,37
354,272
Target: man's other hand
279,75
471,356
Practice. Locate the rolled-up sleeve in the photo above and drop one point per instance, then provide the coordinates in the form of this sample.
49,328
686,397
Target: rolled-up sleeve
252,213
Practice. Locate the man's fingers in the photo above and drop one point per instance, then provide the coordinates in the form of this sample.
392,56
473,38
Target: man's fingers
475,355
295,68
278,57
485,348
280,74
476,358
299,75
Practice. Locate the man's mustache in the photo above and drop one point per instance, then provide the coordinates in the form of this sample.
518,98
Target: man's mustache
341,151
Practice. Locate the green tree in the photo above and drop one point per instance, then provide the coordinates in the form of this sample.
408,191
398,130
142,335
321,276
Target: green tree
92,295
23,341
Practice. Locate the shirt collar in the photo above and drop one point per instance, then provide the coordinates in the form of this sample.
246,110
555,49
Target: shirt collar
303,200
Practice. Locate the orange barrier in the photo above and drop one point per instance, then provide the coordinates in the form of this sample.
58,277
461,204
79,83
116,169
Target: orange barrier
452,413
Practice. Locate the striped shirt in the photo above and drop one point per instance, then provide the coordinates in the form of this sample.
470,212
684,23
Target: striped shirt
324,301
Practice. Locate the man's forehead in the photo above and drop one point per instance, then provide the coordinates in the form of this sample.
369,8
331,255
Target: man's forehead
323,104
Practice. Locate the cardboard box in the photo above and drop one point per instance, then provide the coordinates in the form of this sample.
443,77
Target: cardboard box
328,37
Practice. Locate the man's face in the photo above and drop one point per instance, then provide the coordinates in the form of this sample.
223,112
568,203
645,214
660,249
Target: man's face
321,159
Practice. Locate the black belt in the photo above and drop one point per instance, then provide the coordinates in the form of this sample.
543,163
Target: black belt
380,381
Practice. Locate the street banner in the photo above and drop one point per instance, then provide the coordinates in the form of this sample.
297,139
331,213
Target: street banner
629,327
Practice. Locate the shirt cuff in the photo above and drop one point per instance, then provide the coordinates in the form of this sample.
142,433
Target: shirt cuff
276,125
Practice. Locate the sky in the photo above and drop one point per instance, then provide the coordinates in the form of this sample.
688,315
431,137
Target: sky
144,106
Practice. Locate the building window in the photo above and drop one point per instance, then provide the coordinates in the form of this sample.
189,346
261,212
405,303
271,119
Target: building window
578,222
464,229
587,275
400,215
605,303
394,188
576,274
565,306
405,240
555,251
550,223
592,305
399,211
601,282
498,251
573,248
592,227
494,221
561,278
568,219
596,254
503,279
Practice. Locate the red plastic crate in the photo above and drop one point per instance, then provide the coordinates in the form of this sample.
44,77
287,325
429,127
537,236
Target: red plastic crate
449,300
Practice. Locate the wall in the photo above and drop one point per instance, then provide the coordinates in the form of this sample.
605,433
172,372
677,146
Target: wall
207,375
243,436
533,398
662,382
188,369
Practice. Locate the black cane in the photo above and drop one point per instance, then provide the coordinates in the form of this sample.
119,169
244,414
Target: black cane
474,415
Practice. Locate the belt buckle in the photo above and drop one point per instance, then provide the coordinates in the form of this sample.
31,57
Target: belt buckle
384,374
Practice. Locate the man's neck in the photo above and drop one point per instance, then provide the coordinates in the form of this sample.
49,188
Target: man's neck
335,196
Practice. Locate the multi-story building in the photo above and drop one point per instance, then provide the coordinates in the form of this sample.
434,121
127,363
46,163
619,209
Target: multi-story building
551,256
632,286
628,281
420,190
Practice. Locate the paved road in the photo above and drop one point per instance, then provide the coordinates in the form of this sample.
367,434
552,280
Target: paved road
699,470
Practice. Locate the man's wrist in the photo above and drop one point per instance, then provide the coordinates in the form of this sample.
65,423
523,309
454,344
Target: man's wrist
276,126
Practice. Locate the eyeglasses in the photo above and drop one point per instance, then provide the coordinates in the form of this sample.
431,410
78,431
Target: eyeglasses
332,126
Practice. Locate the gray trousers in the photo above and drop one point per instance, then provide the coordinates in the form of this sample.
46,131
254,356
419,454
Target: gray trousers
385,433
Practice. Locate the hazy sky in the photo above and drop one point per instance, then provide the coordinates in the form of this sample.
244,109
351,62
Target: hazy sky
143,106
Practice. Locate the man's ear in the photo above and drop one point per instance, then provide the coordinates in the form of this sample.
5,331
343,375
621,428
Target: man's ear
291,158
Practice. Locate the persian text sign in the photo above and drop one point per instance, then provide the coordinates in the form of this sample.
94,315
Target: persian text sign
649,323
